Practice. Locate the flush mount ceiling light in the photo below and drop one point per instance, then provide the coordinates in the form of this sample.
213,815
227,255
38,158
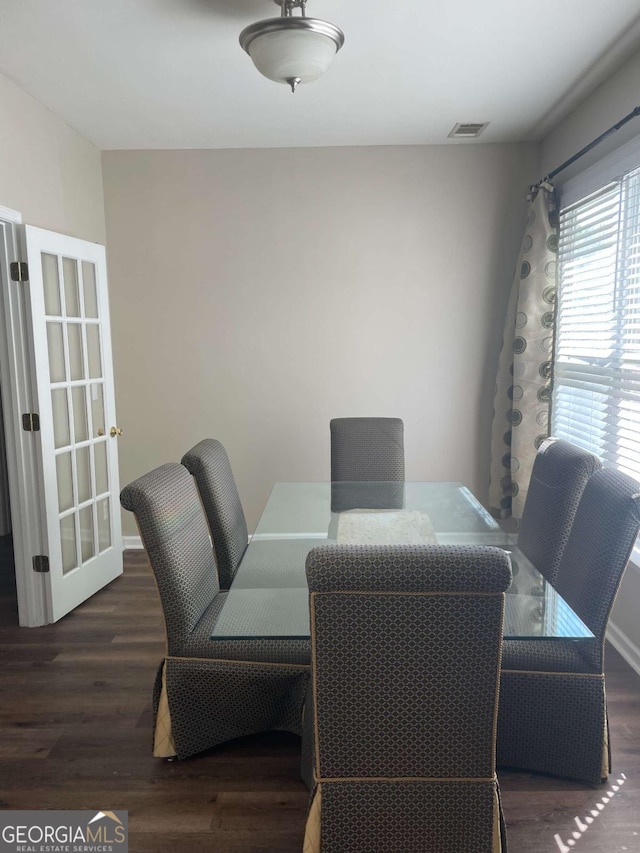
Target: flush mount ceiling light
292,49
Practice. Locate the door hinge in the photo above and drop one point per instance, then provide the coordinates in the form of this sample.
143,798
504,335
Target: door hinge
19,271
31,422
40,563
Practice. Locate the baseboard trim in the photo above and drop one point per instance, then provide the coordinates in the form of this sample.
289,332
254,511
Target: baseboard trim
133,543
622,644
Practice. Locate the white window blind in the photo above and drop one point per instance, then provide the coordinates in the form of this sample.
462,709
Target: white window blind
596,396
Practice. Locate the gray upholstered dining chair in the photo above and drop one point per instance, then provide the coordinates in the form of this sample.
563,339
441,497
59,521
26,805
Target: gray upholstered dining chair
209,464
367,449
399,723
553,712
560,473
367,463
207,691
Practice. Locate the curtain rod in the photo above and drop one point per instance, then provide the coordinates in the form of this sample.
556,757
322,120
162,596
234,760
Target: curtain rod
633,114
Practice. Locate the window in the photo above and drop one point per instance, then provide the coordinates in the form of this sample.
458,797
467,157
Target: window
596,396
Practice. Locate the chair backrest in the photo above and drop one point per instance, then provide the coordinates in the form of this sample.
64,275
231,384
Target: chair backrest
406,649
209,464
560,473
174,532
602,537
367,449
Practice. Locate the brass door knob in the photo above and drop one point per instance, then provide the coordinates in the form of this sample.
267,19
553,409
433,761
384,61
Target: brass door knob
114,431
100,431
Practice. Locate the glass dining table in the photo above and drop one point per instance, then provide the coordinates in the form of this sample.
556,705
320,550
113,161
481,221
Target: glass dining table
269,596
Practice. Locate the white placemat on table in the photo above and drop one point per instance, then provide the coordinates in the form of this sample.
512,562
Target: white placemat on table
385,527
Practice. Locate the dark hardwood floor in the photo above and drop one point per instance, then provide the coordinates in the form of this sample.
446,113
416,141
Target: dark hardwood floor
75,733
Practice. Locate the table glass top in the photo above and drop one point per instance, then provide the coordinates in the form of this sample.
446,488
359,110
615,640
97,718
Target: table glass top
269,595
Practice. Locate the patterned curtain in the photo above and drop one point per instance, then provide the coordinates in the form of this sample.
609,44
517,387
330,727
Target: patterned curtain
523,386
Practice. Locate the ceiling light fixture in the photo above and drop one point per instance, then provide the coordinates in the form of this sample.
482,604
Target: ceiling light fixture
292,49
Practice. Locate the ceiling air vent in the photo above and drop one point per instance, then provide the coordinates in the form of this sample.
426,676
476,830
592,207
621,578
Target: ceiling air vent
467,130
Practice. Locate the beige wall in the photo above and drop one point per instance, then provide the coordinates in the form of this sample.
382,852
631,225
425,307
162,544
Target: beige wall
48,172
258,293
610,102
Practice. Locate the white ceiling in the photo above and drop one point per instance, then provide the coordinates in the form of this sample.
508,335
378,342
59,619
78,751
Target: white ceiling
171,74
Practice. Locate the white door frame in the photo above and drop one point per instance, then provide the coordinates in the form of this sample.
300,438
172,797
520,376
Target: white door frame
34,608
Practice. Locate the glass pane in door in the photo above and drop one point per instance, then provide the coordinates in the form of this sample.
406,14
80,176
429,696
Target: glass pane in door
80,424
89,289
68,537
51,285
65,481
102,473
93,351
86,533
83,474
104,525
71,292
60,411
76,356
97,409
55,343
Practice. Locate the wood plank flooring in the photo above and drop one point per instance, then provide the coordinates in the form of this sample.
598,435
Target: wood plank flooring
75,733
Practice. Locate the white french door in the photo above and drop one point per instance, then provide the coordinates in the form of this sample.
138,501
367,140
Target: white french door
74,401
